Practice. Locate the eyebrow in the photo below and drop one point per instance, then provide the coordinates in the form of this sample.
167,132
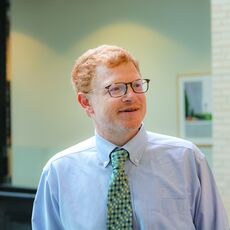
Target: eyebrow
122,82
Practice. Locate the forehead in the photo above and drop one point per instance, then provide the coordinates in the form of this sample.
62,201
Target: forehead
125,72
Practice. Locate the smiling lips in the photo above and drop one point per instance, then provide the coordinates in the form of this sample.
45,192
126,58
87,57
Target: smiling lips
128,110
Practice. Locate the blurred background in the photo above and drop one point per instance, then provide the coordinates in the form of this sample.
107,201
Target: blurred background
47,36
170,39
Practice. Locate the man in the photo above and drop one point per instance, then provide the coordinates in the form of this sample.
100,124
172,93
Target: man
160,182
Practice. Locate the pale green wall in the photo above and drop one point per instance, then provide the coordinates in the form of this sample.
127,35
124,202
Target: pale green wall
167,37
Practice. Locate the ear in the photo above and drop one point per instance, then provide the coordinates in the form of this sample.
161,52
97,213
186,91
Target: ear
85,103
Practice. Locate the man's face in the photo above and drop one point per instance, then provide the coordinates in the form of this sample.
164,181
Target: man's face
116,116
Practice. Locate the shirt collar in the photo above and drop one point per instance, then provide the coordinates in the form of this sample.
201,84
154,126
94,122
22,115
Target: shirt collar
135,147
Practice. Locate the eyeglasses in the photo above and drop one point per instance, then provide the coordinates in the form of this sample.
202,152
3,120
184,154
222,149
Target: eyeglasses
120,89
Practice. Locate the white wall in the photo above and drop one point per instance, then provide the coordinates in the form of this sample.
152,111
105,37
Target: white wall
168,38
221,96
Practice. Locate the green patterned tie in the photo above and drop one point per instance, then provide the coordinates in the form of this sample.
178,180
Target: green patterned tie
119,207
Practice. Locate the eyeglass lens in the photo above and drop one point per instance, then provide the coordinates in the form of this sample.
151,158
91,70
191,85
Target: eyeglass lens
120,89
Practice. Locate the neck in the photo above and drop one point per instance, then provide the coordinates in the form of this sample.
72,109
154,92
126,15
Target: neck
120,138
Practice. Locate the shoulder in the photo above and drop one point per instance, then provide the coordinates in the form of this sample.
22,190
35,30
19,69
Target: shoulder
166,140
73,151
173,145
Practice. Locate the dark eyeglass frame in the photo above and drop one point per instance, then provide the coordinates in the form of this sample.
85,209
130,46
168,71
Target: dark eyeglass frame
143,81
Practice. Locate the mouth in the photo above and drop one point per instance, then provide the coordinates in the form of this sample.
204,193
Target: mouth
128,110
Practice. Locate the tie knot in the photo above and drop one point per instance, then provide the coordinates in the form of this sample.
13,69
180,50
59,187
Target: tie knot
118,158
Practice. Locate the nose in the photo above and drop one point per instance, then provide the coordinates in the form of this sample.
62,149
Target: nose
129,94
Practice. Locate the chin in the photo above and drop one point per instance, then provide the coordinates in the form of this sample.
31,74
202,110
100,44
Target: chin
131,127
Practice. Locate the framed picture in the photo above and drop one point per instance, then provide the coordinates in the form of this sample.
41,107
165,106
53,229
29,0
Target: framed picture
195,108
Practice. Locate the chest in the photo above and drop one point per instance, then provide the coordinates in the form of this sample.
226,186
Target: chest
159,197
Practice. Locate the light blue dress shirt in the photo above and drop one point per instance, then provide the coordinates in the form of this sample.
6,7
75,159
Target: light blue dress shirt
172,187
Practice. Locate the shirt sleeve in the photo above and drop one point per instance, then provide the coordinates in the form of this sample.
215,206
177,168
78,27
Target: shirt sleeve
45,214
210,213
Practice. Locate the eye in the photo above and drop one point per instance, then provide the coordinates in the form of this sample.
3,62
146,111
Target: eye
116,88
137,85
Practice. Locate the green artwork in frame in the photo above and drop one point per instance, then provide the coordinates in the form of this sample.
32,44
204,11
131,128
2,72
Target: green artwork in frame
195,108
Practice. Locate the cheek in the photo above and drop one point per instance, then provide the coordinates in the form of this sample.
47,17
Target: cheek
109,111
108,106
104,110
144,100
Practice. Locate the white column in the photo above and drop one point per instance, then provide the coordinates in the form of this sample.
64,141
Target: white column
221,96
